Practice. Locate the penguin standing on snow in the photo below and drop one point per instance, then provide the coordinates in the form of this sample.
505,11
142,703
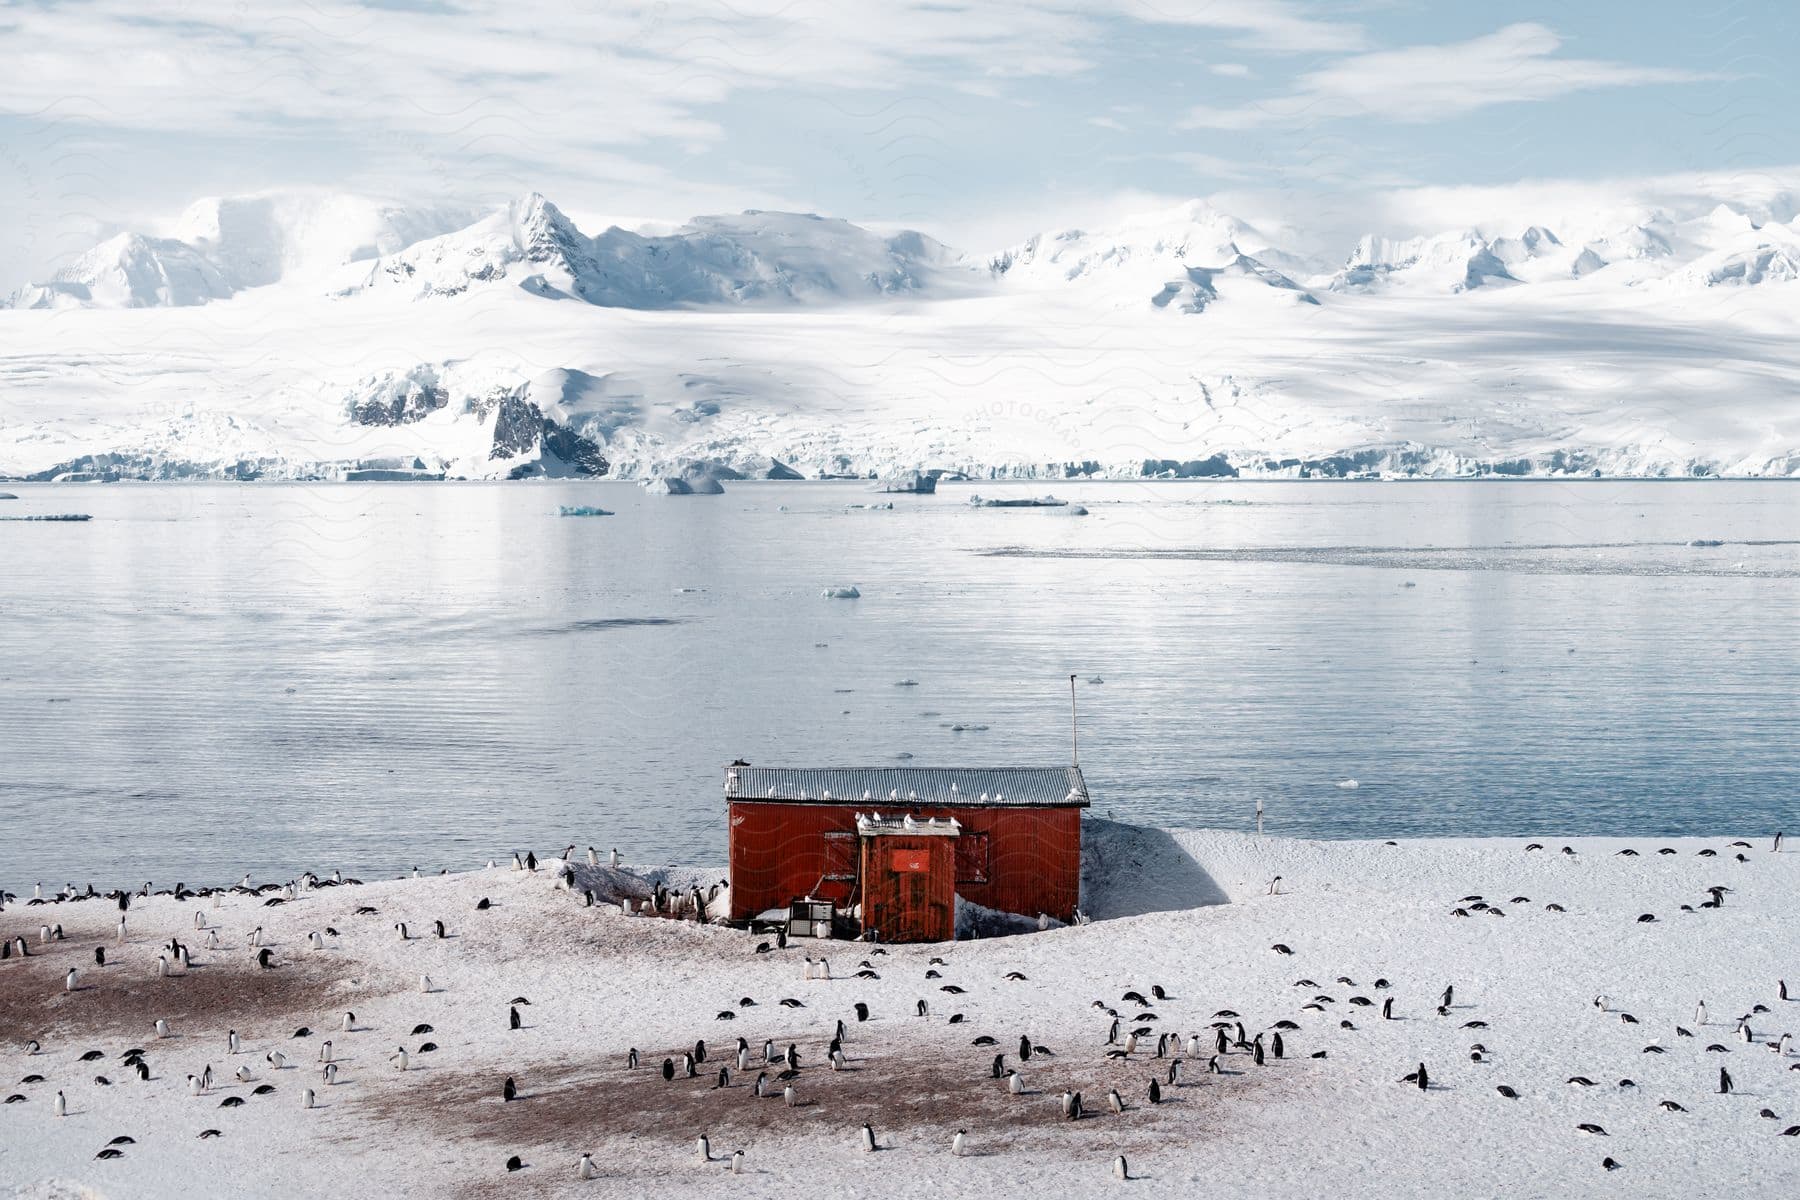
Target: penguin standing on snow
868,1136
1724,1082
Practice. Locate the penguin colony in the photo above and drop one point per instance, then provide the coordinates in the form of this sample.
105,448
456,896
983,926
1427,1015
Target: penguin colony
1149,1046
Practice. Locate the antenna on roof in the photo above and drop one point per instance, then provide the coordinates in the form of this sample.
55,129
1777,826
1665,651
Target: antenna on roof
1074,735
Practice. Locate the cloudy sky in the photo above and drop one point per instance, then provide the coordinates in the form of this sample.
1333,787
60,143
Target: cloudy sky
978,120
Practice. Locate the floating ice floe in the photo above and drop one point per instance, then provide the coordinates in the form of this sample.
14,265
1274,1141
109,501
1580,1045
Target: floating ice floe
842,593
1349,785
582,510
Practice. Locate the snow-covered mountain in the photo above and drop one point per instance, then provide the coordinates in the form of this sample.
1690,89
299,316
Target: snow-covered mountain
223,245
752,258
322,337
1182,259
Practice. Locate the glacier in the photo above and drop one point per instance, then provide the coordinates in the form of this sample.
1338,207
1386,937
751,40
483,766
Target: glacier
318,336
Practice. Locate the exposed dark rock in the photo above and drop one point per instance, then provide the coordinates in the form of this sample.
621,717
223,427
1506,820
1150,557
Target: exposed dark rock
1200,468
404,409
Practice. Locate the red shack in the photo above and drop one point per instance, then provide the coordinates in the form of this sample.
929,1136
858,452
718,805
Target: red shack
1008,838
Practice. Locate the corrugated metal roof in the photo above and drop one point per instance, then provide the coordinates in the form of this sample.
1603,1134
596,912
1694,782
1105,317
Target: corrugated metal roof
968,787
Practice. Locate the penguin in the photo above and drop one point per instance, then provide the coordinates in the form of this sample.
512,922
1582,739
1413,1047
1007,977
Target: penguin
862,1011
330,1074
1115,1101
1724,1082
1424,1079
425,985
513,1020
1120,1169
62,1105
998,1069
789,1096
959,1145
703,1148
1700,1013
585,1168
1212,1066
668,1069
306,1097
922,1010
1175,1073
100,961
325,1051
768,1049
1387,1009
244,1074
762,1078
531,860
743,1057
275,1059
1449,995
700,1050
194,1088
1275,1046
868,1136
72,980
1221,1044
398,1058
265,959
631,1059
1256,1050
724,1078
1015,1083
1780,989
1155,1092
793,1057
1024,1049
349,1022
509,1091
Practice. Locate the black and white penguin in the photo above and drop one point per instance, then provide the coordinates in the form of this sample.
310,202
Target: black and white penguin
998,1070
1275,1046
509,1091
1155,1092
631,1059
1724,1082
668,1069
1387,1009
585,1168
1120,1169
959,1145
868,1136
1024,1049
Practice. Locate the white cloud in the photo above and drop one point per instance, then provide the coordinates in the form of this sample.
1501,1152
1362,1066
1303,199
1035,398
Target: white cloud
1272,26
1107,123
1231,70
1432,83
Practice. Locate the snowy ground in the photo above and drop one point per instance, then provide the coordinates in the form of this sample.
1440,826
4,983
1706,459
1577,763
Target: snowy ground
1187,911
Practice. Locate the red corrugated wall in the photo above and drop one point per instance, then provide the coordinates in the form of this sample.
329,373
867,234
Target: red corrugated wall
778,852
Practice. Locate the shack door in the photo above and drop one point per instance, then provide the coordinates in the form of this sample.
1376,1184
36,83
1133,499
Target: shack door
909,888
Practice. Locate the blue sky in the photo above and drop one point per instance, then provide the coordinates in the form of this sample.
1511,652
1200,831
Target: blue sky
978,122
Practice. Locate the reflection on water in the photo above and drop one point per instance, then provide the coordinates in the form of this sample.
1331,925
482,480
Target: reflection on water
208,679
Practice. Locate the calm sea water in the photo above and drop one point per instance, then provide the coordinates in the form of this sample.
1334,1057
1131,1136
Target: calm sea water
206,680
